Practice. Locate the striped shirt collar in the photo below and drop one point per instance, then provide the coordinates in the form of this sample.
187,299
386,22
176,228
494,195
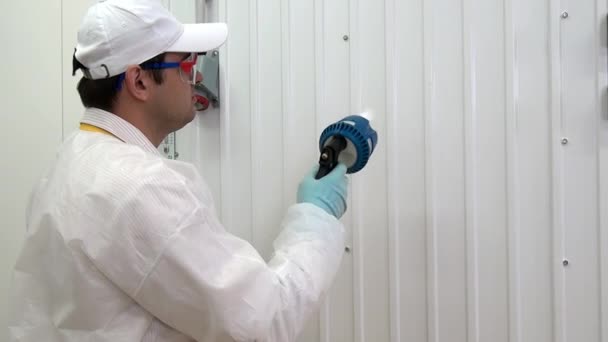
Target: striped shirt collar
119,127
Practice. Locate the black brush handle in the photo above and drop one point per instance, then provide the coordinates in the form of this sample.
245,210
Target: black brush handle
329,156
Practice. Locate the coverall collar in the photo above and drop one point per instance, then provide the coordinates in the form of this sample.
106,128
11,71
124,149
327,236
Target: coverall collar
118,127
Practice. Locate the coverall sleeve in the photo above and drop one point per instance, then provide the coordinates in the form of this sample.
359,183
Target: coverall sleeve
175,259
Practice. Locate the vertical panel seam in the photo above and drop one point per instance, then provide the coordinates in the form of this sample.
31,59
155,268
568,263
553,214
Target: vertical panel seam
511,180
557,205
358,255
391,109
470,177
254,66
225,146
319,14
431,250
424,118
62,57
598,116
286,89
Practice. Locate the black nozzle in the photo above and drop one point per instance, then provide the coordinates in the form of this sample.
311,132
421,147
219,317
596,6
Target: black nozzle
329,156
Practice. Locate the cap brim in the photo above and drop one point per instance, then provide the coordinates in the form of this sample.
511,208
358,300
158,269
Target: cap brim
200,38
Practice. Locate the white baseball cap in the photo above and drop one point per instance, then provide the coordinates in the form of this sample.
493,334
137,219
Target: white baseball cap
117,33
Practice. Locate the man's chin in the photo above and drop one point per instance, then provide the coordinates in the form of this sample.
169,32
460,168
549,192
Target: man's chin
190,117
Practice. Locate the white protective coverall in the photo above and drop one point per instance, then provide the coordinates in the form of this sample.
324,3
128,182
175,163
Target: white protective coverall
125,245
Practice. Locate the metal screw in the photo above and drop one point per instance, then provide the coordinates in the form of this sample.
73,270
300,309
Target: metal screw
176,155
565,15
565,141
166,149
565,262
345,38
347,249
215,53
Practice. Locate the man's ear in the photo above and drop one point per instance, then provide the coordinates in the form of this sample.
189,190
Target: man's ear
137,83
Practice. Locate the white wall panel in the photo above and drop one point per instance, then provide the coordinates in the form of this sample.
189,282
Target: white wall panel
530,251
601,93
405,148
577,208
71,17
267,129
369,189
444,112
30,119
486,171
236,122
332,96
459,224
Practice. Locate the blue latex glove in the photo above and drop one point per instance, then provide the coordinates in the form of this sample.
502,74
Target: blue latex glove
328,193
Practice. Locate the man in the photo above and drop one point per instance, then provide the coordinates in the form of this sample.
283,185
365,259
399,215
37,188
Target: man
125,245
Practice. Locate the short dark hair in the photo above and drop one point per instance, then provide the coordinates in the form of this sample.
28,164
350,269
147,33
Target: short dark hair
102,93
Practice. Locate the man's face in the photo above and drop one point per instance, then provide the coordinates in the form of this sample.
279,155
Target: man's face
175,96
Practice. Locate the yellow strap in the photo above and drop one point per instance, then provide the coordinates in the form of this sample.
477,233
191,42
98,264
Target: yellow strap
91,128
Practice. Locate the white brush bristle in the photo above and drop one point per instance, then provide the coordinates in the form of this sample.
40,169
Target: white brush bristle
368,114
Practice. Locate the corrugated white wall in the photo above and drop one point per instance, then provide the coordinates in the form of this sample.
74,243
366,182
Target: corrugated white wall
461,223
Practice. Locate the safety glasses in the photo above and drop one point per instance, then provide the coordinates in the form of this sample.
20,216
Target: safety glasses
187,67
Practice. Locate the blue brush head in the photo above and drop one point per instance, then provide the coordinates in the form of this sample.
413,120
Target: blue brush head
361,139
